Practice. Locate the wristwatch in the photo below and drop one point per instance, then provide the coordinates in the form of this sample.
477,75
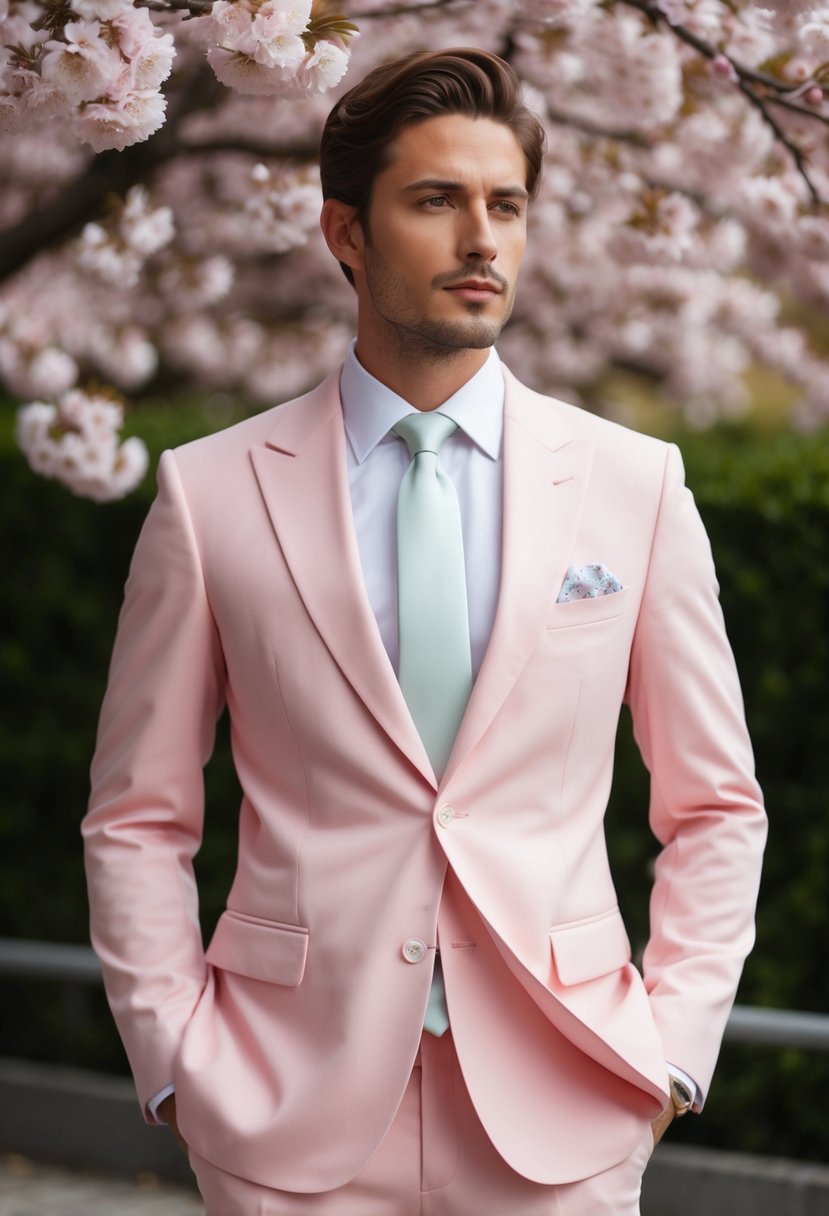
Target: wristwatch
680,1096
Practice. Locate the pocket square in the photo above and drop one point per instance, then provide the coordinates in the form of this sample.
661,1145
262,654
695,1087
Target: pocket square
587,582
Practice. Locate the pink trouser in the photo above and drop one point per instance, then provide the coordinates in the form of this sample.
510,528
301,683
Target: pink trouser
435,1160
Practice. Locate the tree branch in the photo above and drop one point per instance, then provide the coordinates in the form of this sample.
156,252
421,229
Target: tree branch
81,199
193,8
591,128
403,10
796,154
794,108
747,81
304,152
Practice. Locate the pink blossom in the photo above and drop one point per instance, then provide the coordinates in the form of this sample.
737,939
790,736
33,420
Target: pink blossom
116,253
690,286
750,35
51,371
813,234
196,284
42,101
145,229
11,114
33,433
103,10
109,262
233,23
83,65
705,18
798,69
135,31
325,67
120,124
556,12
291,15
723,68
814,32
243,73
128,470
771,199
124,354
277,48
76,442
612,68
284,208
30,364
154,64
18,29
150,52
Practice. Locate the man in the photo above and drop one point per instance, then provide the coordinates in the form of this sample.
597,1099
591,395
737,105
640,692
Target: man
423,592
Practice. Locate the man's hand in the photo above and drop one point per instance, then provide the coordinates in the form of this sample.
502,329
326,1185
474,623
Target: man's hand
659,1125
167,1113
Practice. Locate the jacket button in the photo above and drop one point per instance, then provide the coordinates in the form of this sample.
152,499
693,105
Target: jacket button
414,950
445,816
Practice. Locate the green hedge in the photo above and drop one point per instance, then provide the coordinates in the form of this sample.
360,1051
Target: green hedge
765,501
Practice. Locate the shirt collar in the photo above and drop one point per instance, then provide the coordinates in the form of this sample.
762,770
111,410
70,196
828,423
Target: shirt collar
370,409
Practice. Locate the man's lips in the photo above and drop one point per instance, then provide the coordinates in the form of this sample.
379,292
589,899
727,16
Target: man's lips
479,291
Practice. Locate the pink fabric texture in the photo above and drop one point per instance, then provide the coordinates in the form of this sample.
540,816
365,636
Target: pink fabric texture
436,1160
246,589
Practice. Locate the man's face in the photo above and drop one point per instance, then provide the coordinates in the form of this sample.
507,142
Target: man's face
445,236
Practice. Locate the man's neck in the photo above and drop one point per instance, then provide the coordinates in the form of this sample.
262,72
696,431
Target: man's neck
424,383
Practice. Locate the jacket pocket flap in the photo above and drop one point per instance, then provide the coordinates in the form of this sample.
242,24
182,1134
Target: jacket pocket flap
260,949
586,949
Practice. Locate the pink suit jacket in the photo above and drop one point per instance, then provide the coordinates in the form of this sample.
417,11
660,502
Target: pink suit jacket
290,1040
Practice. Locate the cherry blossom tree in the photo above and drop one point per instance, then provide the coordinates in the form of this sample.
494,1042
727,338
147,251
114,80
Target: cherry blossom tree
159,196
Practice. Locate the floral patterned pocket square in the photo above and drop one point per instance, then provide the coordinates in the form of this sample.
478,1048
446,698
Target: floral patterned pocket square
587,582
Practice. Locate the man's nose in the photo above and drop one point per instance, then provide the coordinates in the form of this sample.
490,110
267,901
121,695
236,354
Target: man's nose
477,240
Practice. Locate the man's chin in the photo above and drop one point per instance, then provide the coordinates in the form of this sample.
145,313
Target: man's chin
451,336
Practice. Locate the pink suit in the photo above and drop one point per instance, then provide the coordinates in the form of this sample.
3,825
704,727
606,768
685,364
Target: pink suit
291,1040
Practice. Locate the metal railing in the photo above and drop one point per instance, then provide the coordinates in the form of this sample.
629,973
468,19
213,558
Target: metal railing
747,1024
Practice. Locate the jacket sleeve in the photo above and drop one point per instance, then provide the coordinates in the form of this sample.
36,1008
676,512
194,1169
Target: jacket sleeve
705,805
144,823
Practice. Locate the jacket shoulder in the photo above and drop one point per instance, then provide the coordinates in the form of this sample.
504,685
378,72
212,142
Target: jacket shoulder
557,422
221,449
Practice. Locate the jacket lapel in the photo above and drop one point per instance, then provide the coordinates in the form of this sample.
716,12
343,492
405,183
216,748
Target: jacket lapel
546,466
303,479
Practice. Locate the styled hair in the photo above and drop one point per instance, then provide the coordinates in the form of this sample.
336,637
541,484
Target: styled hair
361,128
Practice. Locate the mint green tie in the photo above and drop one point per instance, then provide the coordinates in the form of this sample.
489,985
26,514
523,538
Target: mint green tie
433,617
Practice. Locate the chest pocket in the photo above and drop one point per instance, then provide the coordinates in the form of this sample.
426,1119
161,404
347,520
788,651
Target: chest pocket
574,613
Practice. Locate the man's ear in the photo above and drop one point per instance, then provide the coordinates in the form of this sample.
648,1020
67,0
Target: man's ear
343,232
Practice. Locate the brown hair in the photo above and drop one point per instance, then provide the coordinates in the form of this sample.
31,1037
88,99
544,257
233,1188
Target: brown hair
361,127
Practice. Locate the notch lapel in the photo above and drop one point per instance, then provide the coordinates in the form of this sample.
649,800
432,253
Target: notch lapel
546,467
303,479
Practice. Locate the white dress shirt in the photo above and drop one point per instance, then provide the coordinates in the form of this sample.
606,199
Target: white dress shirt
471,458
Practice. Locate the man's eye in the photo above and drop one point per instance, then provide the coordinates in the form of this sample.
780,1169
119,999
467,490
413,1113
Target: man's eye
439,200
507,207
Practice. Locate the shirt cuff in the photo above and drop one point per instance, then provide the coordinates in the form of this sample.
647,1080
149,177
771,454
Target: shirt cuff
156,1100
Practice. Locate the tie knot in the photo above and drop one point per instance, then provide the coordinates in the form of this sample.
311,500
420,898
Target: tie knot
424,432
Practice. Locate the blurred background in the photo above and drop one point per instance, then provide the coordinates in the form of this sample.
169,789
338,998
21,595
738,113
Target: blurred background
162,276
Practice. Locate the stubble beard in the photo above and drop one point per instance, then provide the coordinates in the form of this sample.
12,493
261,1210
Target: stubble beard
424,340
